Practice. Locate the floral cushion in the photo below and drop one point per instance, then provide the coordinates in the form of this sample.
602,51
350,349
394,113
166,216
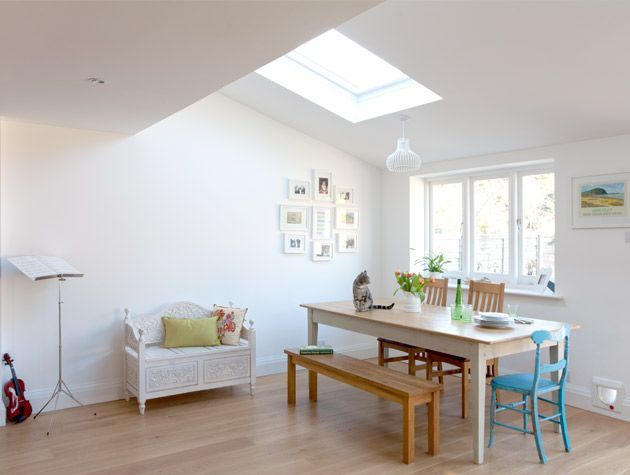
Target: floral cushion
229,323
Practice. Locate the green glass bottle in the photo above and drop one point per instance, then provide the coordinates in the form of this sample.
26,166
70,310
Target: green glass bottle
457,313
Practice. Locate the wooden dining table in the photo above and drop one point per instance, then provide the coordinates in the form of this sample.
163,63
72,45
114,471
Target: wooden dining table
433,329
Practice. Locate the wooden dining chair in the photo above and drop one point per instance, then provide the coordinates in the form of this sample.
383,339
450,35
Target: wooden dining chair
484,297
435,294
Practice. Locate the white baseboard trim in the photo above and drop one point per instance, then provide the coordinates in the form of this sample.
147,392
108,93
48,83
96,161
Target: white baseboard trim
580,397
278,363
104,391
87,393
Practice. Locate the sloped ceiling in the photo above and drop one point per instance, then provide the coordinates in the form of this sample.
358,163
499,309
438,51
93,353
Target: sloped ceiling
156,57
513,75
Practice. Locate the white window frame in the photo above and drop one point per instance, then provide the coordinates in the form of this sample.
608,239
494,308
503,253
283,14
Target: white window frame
515,277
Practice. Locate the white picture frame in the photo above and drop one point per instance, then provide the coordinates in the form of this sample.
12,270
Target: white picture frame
322,250
601,201
347,242
322,185
322,222
293,218
344,195
294,243
347,218
299,190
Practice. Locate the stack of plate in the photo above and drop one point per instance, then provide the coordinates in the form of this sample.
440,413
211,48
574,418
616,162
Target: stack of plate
493,320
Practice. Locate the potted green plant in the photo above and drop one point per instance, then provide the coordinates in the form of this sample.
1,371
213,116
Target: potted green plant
412,285
434,265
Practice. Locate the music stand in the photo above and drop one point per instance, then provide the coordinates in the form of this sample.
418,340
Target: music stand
48,267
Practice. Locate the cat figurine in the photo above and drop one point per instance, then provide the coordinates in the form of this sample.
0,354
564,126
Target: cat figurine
362,297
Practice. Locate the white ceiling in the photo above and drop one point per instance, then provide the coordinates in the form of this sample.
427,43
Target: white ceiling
513,75
156,57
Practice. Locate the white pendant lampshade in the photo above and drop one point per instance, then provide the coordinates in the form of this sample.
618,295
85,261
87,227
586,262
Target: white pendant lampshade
403,160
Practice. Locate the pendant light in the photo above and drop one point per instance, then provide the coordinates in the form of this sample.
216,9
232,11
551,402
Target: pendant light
403,160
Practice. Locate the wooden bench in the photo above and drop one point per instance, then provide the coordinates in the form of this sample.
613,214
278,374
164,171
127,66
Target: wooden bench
387,383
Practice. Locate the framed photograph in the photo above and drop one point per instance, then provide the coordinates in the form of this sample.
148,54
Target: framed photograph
347,242
299,190
601,201
322,250
347,218
322,223
322,184
294,243
344,195
293,218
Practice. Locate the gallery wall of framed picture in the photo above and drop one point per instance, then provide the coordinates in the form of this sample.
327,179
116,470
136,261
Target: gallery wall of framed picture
321,212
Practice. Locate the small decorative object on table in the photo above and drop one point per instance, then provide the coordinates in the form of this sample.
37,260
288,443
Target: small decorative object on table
412,286
362,297
316,350
434,265
457,308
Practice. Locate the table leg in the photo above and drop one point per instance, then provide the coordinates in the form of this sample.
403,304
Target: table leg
554,355
312,340
478,403
291,390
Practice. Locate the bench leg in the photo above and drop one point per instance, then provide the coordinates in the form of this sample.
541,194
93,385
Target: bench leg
312,386
434,424
290,381
408,431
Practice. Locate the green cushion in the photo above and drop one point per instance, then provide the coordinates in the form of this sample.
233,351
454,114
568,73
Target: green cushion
190,332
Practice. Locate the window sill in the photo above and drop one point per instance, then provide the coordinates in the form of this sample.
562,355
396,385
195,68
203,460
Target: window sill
520,293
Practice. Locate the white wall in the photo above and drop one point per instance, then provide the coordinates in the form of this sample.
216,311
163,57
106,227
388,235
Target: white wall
186,210
592,265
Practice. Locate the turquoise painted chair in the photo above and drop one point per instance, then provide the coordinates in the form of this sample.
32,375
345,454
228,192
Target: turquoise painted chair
531,387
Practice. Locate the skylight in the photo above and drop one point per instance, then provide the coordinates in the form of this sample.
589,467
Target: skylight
342,76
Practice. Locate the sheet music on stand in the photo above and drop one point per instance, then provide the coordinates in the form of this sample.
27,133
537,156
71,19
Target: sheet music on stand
44,267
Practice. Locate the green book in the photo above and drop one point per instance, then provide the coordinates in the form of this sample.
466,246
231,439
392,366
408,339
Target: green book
316,350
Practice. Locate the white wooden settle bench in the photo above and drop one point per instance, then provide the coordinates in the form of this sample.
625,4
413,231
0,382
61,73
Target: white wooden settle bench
152,371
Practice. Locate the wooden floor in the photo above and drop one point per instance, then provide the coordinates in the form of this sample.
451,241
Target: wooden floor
346,432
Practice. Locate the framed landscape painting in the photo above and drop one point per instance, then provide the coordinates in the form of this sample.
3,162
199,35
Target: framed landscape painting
601,201
347,218
293,218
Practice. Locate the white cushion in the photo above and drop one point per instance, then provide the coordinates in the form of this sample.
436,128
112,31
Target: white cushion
160,353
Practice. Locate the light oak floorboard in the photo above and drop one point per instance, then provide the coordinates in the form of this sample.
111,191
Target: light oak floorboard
348,431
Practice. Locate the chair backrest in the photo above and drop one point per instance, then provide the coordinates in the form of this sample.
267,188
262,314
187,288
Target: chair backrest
539,337
486,296
436,292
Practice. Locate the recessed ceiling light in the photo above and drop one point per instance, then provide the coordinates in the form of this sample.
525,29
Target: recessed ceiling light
343,77
96,80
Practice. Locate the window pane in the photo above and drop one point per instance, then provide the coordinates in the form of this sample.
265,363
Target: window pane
447,219
491,198
538,226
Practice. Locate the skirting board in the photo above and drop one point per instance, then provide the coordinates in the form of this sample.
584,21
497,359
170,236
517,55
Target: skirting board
104,391
92,393
580,397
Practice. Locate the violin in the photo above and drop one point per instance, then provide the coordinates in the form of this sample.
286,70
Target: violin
19,408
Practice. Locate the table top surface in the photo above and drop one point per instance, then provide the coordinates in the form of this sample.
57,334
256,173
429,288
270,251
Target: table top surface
437,320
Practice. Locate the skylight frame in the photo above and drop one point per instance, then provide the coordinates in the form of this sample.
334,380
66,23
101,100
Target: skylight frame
314,81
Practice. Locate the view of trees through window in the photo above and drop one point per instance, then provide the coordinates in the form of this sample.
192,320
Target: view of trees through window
491,225
538,223
495,209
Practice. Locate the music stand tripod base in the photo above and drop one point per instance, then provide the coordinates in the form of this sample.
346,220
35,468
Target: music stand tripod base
61,387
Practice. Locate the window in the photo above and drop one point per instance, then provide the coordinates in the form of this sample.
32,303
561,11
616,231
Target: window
500,226
447,218
342,76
